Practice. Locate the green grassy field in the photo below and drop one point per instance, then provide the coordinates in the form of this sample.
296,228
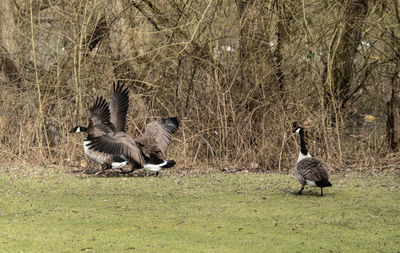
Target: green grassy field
54,211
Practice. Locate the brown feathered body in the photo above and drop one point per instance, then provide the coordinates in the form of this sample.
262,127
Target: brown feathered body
309,170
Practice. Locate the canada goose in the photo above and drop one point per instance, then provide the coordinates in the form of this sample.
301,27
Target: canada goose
309,170
106,119
147,151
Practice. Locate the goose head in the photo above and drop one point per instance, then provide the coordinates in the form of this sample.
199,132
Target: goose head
298,129
78,129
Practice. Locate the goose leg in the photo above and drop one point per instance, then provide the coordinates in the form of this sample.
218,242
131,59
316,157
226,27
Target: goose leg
322,194
127,171
302,187
103,168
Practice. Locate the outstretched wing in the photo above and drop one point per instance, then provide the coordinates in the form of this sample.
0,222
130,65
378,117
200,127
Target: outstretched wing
119,144
159,133
100,112
119,106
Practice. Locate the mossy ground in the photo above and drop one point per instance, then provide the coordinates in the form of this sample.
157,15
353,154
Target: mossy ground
53,211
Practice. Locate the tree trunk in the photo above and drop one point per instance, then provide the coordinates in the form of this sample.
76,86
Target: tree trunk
393,112
121,40
281,35
9,70
242,6
343,52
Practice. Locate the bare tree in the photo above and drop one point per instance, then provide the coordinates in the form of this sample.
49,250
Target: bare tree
393,111
282,38
236,72
393,106
121,38
244,28
343,50
8,46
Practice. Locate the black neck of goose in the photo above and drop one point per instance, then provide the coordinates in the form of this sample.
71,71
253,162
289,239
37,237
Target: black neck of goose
303,149
83,129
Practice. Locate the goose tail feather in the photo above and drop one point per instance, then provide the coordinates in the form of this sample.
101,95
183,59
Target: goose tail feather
323,183
169,164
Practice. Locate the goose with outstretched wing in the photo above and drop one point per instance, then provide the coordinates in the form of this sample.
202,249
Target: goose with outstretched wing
147,152
105,119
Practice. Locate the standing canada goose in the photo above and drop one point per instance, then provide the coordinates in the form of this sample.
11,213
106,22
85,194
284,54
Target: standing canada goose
106,119
147,151
309,170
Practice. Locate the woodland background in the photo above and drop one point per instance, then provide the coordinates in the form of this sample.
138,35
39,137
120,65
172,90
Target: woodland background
236,73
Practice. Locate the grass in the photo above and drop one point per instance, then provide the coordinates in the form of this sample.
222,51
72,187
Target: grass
53,211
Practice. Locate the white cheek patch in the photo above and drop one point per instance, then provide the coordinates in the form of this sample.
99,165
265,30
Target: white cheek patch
310,183
78,130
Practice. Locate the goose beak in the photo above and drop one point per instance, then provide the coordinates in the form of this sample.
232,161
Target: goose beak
294,127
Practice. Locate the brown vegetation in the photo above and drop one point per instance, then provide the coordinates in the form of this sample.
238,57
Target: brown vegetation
237,74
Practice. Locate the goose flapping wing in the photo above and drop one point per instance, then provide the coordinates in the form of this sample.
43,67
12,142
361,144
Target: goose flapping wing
119,106
159,133
312,169
100,112
119,144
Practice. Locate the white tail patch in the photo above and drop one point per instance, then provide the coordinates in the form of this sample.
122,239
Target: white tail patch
116,165
310,183
154,167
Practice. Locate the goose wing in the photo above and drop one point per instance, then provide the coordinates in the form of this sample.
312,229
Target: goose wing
119,106
100,112
119,144
158,133
312,169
